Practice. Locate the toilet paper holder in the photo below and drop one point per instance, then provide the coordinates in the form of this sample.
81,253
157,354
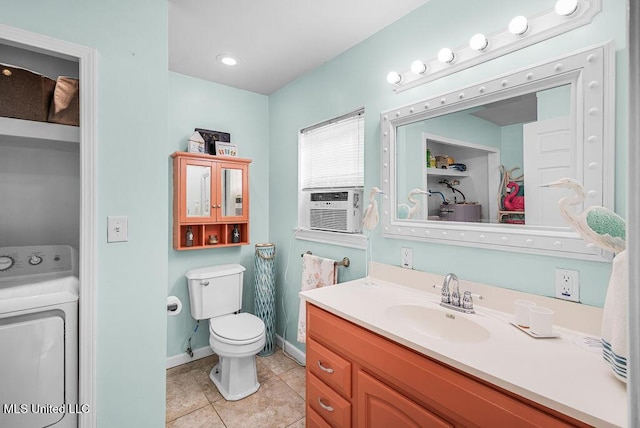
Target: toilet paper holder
174,305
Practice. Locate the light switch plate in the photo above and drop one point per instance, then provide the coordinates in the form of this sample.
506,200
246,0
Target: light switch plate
117,229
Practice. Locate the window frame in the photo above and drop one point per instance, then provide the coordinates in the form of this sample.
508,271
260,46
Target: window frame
303,230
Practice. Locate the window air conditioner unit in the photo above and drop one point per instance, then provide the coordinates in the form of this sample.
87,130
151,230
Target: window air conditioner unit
336,210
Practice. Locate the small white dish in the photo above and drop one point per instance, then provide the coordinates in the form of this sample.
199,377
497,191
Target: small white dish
532,334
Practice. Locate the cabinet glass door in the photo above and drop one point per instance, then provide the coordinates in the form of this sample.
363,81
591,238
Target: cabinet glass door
198,191
231,191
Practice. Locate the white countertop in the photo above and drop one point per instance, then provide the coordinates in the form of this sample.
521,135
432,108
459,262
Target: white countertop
561,373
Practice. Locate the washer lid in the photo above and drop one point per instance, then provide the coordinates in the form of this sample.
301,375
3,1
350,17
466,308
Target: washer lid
238,327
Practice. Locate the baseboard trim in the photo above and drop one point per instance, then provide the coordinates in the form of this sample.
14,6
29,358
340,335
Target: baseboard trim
184,358
297,354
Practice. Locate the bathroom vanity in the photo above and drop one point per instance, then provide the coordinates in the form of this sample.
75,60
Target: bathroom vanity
210,201
379,355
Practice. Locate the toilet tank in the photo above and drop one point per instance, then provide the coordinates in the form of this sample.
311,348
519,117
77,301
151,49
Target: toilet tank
215,290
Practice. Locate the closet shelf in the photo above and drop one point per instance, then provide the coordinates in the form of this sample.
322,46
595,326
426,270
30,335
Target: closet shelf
446,172
18,130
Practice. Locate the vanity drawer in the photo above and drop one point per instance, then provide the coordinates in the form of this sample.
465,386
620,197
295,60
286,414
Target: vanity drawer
328,403
330,367
314,420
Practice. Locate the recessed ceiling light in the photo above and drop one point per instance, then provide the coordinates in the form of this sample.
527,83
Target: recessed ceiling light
227,59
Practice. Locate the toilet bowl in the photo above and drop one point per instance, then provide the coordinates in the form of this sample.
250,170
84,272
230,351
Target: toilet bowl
236,339
215,293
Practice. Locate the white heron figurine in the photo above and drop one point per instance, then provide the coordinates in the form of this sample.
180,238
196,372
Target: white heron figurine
370,218
369,222
407,212
605,229
597,225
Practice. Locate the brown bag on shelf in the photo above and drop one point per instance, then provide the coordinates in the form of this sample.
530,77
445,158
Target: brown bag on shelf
24,94
65,104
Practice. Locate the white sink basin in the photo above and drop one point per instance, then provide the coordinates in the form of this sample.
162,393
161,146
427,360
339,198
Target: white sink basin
438,323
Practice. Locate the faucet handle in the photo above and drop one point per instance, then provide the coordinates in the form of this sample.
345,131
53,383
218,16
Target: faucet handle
467,300
455,297
444,295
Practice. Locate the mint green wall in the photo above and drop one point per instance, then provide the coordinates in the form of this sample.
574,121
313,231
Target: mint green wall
357,78
131,180
195,103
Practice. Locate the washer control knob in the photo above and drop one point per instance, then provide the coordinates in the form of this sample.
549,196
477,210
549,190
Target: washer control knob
35,260
5,262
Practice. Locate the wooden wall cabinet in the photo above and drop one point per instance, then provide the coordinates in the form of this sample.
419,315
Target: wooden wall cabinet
210,199
356,378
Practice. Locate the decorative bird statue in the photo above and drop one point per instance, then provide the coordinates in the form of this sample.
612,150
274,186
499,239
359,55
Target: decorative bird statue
369,222
513,202
597,225
407,212
370,218
605,229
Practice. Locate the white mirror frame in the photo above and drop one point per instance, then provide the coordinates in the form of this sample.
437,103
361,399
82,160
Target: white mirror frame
591,72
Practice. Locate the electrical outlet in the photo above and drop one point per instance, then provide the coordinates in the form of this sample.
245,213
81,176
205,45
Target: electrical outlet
568,284
407,258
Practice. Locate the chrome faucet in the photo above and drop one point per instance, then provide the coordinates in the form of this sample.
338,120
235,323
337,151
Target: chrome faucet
451,299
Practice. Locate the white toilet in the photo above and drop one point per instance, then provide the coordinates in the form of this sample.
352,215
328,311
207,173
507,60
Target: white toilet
215,293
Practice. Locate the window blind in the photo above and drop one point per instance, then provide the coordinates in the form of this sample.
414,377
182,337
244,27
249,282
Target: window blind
332,154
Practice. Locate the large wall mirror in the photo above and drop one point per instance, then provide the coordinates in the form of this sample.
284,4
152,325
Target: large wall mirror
482,153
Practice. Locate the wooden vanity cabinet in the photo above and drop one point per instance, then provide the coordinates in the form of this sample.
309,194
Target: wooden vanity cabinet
384,384
210,198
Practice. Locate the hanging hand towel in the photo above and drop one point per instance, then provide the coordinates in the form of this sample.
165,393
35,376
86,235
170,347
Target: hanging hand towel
316,272
614,317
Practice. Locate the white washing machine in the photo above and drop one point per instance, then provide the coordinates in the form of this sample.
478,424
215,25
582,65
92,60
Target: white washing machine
39,337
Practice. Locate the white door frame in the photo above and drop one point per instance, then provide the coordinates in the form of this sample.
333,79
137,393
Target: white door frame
633,198
87,59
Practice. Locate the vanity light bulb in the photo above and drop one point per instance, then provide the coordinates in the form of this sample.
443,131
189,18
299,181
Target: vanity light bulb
446,55
479,42
394,77
518,25
419,67
566,7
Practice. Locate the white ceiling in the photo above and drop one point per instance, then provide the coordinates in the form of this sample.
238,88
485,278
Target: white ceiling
275,40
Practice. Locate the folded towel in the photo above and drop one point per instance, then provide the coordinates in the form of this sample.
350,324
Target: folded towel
316,272
614,318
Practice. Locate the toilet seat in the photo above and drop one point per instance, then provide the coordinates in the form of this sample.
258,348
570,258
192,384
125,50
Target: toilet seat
237,329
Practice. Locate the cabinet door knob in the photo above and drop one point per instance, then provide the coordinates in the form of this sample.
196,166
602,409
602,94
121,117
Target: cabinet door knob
324,406
325,369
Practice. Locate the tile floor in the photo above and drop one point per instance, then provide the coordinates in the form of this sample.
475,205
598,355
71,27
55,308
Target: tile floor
193,400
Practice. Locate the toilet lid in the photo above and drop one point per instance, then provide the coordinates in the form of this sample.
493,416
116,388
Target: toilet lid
238,327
